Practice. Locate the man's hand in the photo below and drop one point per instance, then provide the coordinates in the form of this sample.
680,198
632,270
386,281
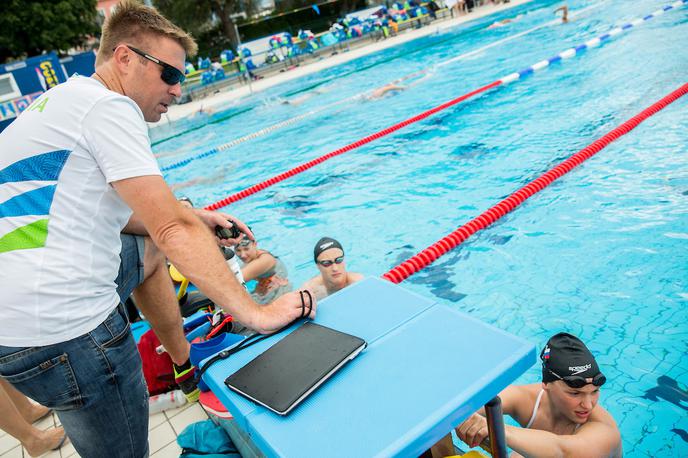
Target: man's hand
212,219
284,310
474,430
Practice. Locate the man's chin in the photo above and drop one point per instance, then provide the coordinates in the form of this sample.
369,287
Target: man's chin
155,117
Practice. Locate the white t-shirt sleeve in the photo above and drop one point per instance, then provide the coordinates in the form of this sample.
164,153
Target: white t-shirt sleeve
118,139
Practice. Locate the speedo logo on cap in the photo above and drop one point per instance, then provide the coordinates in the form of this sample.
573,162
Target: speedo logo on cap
575,370
326,245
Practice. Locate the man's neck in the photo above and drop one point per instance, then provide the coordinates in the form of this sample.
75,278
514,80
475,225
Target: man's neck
107,78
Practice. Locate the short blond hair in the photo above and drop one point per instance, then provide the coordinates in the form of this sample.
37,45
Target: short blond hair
132,22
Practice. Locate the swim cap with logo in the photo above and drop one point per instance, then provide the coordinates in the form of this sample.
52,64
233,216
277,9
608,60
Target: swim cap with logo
566,355
323,244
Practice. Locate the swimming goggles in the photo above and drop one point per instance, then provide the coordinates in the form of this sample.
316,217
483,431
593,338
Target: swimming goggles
576,381
329,262
170,75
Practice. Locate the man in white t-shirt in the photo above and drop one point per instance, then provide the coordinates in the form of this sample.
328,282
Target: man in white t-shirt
76,170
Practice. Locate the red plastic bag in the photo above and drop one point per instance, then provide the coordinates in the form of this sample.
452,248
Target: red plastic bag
157,368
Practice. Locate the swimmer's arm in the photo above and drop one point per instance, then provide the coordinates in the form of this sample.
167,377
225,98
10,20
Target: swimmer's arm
593,440
517,402
258,266
474,431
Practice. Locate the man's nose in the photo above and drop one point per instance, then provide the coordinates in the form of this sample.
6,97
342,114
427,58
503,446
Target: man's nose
176,90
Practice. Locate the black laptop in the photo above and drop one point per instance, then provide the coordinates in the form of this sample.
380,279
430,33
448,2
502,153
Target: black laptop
286,373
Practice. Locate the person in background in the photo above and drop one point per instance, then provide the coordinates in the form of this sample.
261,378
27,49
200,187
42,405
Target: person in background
382,91
560,416
17,416
269,272
328,255
565,16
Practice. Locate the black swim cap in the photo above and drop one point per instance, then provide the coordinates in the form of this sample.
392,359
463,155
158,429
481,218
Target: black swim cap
566,356
323,244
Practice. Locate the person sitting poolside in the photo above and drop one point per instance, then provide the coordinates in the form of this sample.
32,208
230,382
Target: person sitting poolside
560,416
268,270
328,255
18,416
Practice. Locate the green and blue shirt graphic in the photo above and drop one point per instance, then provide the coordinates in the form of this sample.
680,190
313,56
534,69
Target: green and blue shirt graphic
45,170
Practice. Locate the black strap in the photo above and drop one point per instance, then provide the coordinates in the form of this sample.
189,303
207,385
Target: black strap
257,337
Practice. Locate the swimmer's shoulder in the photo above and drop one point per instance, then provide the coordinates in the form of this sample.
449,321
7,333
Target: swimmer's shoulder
518,401
601,433
353,277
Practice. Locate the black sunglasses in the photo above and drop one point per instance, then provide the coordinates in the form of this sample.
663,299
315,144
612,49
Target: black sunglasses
328,263
576,381
170,75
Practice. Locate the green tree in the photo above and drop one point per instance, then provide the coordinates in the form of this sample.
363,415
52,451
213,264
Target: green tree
31,27
204,18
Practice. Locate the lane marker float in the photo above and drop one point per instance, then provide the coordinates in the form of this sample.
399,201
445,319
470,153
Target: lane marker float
512,77
496,212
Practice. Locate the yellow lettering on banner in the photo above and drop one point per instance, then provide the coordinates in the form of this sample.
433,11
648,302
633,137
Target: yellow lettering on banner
48,73
38,105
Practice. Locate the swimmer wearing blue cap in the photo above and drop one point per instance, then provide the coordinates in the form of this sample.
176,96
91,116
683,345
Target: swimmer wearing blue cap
560,416
328,255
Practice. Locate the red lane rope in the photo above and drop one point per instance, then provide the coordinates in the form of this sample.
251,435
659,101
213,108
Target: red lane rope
451,241
305,166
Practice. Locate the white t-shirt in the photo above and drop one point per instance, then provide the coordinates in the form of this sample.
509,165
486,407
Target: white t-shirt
60,218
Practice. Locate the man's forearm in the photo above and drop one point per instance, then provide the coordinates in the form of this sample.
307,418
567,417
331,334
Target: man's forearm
189,245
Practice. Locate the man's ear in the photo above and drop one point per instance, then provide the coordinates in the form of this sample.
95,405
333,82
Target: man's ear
122,58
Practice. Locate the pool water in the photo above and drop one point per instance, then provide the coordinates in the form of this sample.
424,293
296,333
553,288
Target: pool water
601,253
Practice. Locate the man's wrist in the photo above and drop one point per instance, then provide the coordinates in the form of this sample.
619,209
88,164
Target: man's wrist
181,357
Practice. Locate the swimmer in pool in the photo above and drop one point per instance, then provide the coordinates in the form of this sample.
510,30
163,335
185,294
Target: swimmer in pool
560,416
384,90
565,15
504,22
328,255
268,270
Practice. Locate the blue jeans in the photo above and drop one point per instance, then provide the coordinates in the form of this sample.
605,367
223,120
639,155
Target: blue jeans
94,382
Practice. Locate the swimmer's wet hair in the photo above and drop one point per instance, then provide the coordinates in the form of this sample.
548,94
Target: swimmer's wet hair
134,23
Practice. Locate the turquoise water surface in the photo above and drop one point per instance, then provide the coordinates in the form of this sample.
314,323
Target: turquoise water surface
601,253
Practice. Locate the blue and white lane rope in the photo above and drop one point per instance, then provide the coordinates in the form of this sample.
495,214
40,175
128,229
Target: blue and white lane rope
588,44
571,52
256,134
290,121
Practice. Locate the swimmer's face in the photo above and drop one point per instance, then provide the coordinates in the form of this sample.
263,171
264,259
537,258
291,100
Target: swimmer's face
333,274
247,253
576,404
